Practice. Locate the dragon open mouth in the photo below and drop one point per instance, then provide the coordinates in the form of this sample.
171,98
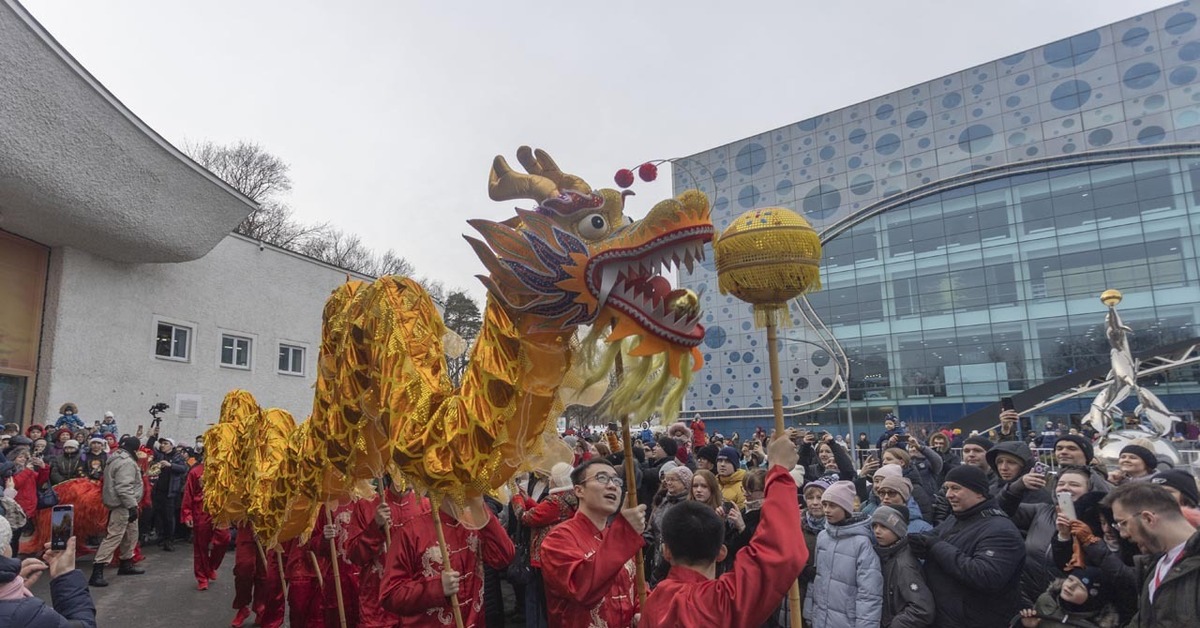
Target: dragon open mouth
633,282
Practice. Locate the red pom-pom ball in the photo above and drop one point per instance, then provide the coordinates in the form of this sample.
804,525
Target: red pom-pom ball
648,172
624,177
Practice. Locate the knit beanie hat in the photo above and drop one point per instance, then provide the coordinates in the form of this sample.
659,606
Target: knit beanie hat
71,444
970,477
842,494
730,454
891,519
669,446
1086,445
818,483
1179,480
900,485
683,473
1091,577
1146,455
709,453
889,471
981,441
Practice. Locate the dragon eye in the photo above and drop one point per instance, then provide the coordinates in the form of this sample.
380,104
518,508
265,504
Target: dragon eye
593,226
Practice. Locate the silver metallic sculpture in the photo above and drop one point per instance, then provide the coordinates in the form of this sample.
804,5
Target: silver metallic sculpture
1122,380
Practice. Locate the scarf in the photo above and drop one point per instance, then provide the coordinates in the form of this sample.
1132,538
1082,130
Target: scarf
816,525
14,590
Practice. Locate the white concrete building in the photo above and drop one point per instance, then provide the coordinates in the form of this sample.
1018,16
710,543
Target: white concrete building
120,282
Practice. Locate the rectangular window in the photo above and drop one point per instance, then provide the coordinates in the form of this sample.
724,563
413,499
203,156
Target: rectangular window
235,351
291,359
173,342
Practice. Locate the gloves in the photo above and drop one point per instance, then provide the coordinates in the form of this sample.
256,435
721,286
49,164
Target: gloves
920,544
133,514
1082,533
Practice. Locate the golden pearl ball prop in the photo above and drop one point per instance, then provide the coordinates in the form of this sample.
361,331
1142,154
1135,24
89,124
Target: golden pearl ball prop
1111,298
767,257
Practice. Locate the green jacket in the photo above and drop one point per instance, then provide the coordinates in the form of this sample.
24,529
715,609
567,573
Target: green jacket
1177,602
1049,609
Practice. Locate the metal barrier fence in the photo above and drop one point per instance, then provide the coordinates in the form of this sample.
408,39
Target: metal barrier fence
1190,457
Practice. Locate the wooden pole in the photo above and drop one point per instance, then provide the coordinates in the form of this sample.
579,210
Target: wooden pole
379,488
337,575
441,536
777,403
282,573
317,567
631,500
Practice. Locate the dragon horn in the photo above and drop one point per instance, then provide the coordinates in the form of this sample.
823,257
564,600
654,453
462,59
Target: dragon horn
539,163
506,184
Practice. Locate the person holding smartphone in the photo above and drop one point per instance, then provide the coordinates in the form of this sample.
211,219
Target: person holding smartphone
68,590
1038,520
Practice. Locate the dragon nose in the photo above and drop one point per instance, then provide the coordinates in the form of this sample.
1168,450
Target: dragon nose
683,303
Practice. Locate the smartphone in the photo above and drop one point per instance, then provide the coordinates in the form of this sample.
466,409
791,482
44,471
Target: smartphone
1006,403
1066,505
1040,468
62,526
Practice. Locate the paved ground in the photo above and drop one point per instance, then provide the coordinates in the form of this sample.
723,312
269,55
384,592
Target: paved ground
167,594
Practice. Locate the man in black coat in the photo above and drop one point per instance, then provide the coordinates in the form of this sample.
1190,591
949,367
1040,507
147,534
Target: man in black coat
973,560
167,494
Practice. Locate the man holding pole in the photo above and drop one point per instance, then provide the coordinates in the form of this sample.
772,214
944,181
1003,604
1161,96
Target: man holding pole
762,573
374,526
588,563
420,587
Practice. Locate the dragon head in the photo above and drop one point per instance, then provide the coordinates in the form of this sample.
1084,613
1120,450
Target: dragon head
576,259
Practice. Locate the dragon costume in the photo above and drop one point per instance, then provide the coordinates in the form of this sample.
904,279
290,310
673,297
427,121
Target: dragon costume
572,266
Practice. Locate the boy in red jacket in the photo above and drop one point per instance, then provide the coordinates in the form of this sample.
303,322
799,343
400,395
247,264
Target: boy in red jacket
762,572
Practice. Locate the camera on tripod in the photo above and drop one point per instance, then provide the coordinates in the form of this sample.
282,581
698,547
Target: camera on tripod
155,411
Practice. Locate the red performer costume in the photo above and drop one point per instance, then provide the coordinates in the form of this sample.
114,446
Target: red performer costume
348,573
761,576
412,579
209,542
364,548
257,586
589,573
304,589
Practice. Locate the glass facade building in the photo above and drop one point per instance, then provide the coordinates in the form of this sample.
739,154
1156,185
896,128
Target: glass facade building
970,223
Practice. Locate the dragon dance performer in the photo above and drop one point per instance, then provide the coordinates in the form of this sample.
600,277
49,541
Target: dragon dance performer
372,524
257,586
588,563
209,541
336,529
417,587
762,573
305,574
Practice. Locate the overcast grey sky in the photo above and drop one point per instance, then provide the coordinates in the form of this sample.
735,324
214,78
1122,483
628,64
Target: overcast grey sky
390,112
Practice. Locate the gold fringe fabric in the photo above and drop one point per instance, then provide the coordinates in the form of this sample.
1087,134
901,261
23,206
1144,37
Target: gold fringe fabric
229,462
272,488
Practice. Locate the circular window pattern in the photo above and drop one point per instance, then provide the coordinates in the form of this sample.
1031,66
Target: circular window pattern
826,383
820,357
801,383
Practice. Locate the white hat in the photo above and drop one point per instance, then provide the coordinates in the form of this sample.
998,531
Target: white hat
109,415
169,441
71,443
